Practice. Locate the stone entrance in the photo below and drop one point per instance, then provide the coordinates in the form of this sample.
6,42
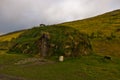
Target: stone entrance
43,45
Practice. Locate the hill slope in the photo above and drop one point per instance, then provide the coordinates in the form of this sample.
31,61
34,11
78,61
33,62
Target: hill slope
10,36
104,24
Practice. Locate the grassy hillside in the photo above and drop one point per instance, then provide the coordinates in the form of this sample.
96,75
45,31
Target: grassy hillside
103,30
10,36
102,25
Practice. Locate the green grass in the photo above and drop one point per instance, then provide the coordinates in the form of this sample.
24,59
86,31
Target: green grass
8,59
106,47
92,67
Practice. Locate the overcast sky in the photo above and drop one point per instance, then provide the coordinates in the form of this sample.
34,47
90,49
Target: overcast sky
20,14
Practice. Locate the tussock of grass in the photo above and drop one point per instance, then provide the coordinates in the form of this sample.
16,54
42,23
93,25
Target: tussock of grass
9,59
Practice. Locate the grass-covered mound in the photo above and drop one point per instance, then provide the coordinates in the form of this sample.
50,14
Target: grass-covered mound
52,40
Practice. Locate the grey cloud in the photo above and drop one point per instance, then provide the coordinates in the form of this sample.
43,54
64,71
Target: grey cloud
20,14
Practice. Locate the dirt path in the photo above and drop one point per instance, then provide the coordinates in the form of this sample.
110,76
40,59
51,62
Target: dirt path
7,77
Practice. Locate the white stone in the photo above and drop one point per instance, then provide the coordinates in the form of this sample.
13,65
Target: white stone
61,58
